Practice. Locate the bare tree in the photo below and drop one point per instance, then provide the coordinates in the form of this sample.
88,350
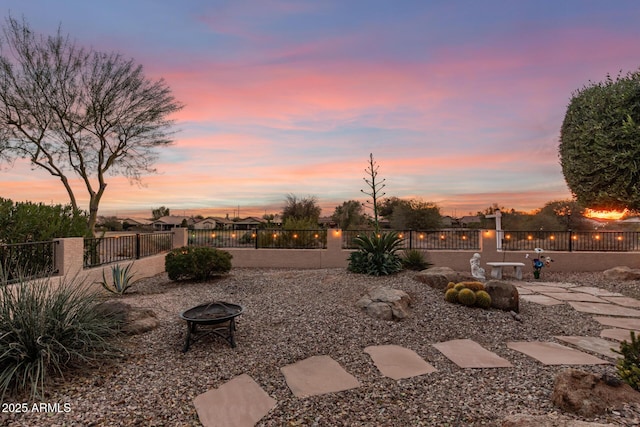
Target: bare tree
375,188
73,111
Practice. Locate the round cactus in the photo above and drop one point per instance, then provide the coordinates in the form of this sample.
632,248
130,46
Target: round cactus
451,295
483,299
459,286
450,285
467,297
474,286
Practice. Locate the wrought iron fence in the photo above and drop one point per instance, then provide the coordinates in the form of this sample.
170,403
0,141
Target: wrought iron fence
19,261
259,238
572,241
431,239
105,250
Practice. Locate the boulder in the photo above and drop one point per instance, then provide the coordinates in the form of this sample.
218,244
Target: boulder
504,295
622,273
522,420
588,395
438,277
133,320
385,303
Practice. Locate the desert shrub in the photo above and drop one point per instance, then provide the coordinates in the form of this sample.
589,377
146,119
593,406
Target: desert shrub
121,279
413,259
451,295
196,262
483,299
629,365
48,329
376,254
466,297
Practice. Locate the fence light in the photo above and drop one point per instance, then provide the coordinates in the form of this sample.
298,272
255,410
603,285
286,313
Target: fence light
442,237
422,236
552,237
253,235
597,237
315,235
213,235
464,237
401,236
233,235
508,236
529,237
619,237
295,236
574,237
275,235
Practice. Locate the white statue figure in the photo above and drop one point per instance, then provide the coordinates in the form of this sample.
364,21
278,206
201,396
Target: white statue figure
476,270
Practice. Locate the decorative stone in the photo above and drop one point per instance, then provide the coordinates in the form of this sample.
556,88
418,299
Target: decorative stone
438,277
385,303
622,273
588,395
476,271
504,295
134,320
523,420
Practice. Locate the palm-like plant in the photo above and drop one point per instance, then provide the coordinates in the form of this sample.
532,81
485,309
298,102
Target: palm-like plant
376,254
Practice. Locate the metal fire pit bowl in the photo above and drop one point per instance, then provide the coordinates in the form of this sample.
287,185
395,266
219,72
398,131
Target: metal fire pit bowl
222,315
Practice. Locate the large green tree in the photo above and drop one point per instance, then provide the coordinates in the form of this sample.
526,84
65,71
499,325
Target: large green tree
411,214
79,113
305,208
350,215
600,143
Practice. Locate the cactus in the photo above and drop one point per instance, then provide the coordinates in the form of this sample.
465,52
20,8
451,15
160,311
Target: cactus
466,297
483,299
451,296
459,286
450,285
474,286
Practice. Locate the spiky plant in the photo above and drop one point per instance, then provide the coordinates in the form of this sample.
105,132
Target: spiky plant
451,296
376,254
121,279
629,365
466,297
413,259
483,299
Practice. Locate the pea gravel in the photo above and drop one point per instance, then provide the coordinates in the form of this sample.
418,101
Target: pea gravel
294,314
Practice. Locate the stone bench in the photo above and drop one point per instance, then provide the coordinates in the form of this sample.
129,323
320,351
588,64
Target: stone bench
496,269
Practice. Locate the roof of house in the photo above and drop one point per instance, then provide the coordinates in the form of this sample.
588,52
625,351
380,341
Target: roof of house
173,220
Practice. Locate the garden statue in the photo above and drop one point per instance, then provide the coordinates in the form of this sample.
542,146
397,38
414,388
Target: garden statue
476,271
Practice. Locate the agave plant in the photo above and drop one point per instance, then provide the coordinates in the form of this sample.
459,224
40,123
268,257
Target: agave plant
121,279
376,254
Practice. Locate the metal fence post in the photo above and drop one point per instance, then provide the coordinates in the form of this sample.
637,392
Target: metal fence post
256,233
570,240
138,239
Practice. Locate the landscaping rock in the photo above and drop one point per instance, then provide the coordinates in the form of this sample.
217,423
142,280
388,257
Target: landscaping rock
438,277
588,395
385,303
134,320
622,273
521,420
504,295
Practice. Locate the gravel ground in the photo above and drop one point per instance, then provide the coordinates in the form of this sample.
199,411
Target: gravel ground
294,314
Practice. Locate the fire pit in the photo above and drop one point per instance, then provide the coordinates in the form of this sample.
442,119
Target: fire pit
220,314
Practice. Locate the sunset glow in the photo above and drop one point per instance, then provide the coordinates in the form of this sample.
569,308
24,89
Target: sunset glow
613,215
460,104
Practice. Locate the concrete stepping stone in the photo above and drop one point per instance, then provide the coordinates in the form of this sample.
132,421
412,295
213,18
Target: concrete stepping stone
624,301
605,309
573,296
317,375
618,322
594,344
469,354
550,353
538,287
618,334
596,291
524,291
398,362
541,299
237,403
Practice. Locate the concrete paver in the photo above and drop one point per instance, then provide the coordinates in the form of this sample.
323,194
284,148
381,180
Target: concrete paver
317,375
469,354
594,344
524,291
541,299
618,322
550,353
240,402
539,287
397,362
596,291
618,334
574,296
604,309
624,301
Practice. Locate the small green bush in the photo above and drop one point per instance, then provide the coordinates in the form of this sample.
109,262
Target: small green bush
483,299
197,263
629,365
46,329
466,297
451,295
413,259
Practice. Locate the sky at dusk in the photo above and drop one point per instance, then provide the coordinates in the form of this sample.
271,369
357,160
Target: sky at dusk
460,102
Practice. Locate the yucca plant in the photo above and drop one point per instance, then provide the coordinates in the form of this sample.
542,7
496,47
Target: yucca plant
121,279
414,259
47,328
376,254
